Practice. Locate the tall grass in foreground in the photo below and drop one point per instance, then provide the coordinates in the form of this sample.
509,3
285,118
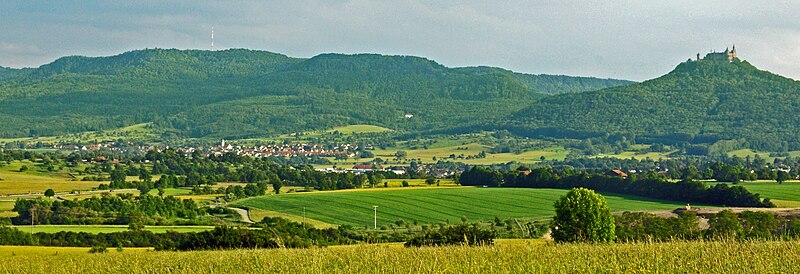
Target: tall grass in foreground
519,257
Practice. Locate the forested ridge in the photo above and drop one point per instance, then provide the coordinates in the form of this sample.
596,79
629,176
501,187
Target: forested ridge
241,93
705,101
8,73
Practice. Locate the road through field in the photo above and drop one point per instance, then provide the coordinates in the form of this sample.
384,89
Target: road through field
243,212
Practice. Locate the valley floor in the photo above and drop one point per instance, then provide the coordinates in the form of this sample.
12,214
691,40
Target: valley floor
508,256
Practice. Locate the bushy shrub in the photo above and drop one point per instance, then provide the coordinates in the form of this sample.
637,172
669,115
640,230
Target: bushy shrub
98,249
463,234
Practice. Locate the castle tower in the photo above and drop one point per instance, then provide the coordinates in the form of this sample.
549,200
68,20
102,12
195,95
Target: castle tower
731,54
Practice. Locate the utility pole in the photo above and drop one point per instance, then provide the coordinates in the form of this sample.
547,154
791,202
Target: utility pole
375,220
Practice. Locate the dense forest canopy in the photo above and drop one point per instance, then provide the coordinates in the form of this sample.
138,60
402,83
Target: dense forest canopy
9,73
241,93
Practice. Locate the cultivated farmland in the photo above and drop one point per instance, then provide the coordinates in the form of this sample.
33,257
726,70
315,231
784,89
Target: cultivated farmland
431,205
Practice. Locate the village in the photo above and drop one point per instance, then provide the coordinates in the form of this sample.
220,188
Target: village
307,153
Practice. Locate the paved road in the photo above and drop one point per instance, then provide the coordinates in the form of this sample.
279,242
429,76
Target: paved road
244,214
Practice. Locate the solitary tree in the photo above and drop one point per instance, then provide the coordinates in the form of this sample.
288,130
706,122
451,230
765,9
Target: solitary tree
49,192
430,181
276,182
782,176
583,216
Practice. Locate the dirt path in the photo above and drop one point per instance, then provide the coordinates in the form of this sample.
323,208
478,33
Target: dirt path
243,213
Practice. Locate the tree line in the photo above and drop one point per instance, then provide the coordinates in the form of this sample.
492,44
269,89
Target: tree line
641,226
648,184
106,209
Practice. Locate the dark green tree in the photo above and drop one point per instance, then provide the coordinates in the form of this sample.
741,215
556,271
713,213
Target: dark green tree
782,176
583,216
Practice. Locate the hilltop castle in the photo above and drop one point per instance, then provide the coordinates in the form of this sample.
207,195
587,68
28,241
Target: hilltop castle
728,55
731,54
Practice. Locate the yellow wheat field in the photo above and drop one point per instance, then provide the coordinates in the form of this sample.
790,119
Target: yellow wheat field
520,257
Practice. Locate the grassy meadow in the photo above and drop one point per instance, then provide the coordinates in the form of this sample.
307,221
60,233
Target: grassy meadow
137,132
34,180
514,257
5,208
430,205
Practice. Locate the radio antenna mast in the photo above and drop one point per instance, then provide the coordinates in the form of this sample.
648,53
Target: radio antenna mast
212,38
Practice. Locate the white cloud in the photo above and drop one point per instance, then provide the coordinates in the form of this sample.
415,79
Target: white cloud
620,38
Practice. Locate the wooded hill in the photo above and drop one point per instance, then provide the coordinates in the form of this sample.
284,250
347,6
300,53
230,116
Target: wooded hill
707,101
241,93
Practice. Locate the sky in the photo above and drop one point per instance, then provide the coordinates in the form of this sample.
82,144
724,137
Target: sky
634,39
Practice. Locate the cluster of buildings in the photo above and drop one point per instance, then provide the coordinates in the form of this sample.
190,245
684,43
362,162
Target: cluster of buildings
285,150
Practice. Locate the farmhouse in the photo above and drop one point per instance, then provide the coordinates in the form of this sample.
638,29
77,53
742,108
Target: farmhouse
363,168
617,172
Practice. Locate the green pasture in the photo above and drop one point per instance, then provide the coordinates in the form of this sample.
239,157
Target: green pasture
783,195
172,191
35,180
431,205
637,156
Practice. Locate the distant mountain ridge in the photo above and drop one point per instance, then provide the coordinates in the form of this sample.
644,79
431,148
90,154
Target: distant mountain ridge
714,99
242,93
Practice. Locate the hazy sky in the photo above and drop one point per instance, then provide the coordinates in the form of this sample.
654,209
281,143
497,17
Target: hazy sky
634,39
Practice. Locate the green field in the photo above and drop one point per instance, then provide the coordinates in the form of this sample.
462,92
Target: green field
94,229
515,257
431,205
172,191
358,129
315,134
638,156
742,153
5,208
783,195
12,181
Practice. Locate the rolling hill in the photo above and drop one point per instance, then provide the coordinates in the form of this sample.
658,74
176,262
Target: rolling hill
241,93
703,101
